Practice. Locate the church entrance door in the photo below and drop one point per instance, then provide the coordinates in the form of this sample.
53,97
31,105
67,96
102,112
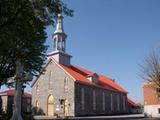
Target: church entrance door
66,109
50,106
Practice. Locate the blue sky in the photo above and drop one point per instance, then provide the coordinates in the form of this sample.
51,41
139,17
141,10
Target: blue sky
112,37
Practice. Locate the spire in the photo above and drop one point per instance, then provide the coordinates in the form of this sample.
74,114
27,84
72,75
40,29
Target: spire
59,35
59,38
59,27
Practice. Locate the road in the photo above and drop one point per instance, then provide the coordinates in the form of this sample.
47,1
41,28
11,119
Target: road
120,117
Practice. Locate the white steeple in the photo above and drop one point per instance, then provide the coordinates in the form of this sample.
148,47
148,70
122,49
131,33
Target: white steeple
59,38
59,35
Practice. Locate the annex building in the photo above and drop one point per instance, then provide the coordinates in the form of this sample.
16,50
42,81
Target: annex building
7,102
151,99
63,89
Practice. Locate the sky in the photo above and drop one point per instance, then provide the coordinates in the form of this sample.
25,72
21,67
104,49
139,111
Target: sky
113,37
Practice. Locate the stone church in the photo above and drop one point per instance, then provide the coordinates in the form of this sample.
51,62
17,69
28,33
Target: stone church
63,89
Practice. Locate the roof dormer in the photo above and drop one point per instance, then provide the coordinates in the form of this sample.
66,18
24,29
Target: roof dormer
93,77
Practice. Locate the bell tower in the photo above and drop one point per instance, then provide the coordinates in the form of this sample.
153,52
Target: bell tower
59,40
59,35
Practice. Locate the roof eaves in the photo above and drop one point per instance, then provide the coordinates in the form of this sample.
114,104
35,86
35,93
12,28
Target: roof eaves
34,81
62,68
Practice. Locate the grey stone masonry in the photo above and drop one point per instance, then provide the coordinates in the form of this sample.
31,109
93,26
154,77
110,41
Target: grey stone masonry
99,109
51,82
82,99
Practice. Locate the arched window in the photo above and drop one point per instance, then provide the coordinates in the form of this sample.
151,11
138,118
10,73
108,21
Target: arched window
37,104
94,100
37,88
50,105
118,106
66,84
50,80
111,102
124,103
82,99
103,101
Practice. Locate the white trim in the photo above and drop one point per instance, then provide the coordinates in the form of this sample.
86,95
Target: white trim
111,96
52,59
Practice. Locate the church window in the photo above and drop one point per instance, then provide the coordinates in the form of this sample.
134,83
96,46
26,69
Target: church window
118,107
37,104
50,80
4,107
94,100
111,102
82,99
37,88
103,101
66,84
124,103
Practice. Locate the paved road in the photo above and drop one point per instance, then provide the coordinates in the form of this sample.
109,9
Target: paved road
121,117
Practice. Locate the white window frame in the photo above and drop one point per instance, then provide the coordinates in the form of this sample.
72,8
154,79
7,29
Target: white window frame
94,100
118,105
50,80
124,103
111,96
37,88
103,101
82,99
66,84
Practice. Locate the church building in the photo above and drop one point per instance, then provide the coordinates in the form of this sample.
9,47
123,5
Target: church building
63,89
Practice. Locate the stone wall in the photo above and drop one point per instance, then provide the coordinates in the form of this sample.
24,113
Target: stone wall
51,82
100,110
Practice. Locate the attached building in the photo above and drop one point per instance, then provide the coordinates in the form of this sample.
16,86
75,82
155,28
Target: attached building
63,89
134,108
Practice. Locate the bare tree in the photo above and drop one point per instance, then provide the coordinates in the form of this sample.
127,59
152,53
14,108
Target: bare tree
151,68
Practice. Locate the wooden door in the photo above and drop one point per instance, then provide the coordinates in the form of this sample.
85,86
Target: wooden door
50,106
66,108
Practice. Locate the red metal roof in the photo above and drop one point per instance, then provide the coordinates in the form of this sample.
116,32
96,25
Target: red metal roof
133,104
81,75
109,82
12,92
